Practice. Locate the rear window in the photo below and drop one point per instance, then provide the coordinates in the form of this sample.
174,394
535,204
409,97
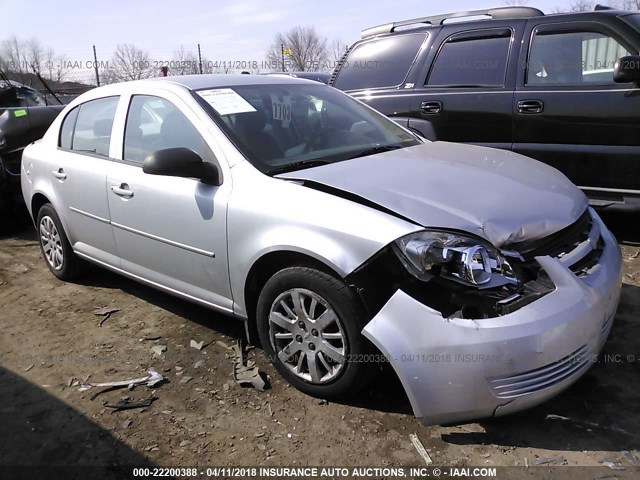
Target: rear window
379,63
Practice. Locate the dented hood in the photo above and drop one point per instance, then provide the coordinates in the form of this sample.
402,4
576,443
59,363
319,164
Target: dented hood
496,194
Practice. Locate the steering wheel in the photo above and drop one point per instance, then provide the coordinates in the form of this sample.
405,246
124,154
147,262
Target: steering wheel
318,136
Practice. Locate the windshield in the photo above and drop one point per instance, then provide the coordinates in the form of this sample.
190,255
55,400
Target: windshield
285,127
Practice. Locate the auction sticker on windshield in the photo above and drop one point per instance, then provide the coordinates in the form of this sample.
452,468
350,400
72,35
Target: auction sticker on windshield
226,101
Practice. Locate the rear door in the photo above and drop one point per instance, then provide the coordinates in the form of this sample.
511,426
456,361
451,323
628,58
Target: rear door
78,172
570,113
375,71
465,91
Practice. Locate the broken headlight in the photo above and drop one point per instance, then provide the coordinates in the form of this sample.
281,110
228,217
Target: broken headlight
455,257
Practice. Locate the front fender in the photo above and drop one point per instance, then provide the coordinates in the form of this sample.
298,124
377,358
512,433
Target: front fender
267,215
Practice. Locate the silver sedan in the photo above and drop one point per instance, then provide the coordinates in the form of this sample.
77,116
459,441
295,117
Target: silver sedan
342,239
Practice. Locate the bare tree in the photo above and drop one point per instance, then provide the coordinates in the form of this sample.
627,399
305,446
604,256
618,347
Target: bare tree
337,49
516,3
625,4
35,54
13,57
184,62
305,50
54,65
129,63
588,6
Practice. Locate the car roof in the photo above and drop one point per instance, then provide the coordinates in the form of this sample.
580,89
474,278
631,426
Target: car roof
417,27
198,82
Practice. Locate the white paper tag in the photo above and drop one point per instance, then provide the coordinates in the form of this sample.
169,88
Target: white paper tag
226,101
282,111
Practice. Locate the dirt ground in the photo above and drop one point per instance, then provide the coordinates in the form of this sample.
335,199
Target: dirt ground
50,337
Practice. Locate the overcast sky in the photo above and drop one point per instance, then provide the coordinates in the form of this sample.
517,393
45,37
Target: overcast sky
240,30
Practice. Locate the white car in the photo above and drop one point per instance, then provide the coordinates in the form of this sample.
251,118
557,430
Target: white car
343,239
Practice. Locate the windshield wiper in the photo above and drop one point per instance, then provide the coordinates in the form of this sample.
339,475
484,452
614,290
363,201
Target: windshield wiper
376,149
297,166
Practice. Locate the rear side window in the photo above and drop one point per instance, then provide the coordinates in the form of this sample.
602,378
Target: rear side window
92,132
465,61
68,125
379,63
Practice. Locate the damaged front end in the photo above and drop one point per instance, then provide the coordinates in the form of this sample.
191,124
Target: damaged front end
474,331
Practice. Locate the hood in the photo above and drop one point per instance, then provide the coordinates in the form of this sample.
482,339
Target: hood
495,194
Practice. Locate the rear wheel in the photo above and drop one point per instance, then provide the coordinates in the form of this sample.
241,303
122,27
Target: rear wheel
55,247
310,325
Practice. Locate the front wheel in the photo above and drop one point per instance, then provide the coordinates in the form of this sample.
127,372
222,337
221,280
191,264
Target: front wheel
310,326
56,249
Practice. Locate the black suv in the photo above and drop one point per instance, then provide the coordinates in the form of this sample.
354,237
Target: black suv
564,89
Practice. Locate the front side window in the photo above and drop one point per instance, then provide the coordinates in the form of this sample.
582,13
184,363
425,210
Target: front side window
472,62
154,123
379,63
573,58
92,132
284,127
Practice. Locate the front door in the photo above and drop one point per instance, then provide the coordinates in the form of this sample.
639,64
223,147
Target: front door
570,113
170,231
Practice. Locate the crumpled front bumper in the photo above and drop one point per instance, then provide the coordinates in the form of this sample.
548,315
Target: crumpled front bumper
456,370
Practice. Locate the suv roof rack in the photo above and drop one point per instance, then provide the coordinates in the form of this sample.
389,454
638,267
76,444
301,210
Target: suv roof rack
494,13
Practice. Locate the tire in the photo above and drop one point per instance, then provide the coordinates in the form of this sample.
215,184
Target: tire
55,247
324,330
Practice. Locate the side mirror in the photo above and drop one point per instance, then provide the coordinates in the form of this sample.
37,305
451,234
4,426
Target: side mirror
627,70
181,162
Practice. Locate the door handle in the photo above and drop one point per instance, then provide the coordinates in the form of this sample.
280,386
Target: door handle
59,174
530,106
431,108
122,190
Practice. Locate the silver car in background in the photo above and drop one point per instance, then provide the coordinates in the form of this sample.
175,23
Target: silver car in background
340,237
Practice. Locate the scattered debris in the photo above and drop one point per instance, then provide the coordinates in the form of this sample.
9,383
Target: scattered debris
223,345
186,379
323,402
420,448
631,457
151,337
557,460
552,416
614,465
197,345
184,443
151,380
158,350
105,313
246,372
127,424
126,404
198,364
225,387
29,368
70,381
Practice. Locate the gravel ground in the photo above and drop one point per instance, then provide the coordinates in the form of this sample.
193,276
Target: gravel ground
51,338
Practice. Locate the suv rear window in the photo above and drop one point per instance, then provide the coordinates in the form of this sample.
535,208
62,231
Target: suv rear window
379,63
472,62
